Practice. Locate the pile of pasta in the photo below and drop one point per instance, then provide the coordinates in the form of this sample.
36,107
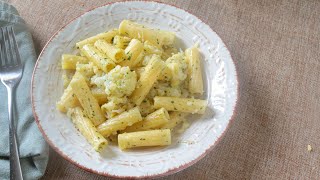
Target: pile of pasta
131,86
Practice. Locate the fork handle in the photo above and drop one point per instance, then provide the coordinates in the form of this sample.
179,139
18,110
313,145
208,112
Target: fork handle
15,167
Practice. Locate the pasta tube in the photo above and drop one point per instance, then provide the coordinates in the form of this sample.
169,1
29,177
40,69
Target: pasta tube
120,122
107,36
69,61
194,69
153,120
121,41
166,74
188,105
139,71
87,129
67,100
87,100
133,51
147,79
138,31
98,58
149,48
144,138
114,53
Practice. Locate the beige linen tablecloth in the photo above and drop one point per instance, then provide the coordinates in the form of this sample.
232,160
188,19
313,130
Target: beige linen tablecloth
276,47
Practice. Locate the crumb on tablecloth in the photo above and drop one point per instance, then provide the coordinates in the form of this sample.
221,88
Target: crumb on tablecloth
309,148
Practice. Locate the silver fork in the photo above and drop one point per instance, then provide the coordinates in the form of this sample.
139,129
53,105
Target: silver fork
10,75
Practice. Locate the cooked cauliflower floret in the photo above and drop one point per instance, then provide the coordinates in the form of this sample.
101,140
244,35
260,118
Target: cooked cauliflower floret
164,89
176,70
98,81
116,106
120,81
178,66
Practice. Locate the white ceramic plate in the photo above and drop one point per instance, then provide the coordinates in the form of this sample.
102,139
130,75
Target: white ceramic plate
221,91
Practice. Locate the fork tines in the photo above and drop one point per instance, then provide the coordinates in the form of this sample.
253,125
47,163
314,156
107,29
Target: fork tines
9,54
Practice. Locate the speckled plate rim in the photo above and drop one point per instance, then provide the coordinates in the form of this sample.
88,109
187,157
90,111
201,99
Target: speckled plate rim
170,171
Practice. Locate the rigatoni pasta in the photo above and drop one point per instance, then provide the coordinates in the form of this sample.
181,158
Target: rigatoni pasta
149,48
86,127
98,58
114,53
120,122
131,86
147,79
194,68
154,120
133,53
69,61
67,100
138,31
144,138
121,41
87,100
187,105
